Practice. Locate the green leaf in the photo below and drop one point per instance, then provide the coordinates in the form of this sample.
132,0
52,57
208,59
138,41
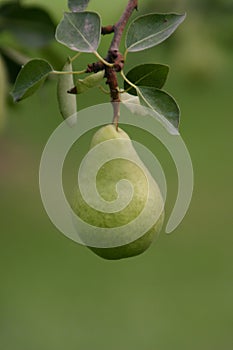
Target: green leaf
133,104
30,78
31,26
78,5
152,75
150,30
67,103
162,104
80,31
93,80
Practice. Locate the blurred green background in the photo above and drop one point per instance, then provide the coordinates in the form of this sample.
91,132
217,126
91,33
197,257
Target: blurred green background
55,294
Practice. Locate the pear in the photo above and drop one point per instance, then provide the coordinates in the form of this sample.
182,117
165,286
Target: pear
141,181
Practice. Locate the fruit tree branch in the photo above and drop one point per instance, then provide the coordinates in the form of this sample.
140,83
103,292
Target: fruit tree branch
115,57
120,25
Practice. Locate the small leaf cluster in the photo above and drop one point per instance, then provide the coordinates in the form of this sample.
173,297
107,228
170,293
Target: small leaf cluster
80,31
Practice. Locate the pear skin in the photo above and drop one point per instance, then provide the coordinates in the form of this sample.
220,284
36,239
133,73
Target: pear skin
107,177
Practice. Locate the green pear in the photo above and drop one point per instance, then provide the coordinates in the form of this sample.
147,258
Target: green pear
145,191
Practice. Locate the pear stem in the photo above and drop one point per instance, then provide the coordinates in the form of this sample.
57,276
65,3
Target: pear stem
116,114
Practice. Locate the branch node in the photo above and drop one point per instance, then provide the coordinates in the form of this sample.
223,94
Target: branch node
95,67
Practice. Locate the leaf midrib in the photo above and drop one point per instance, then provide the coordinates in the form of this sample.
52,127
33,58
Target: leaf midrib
150,36
81,34
145,76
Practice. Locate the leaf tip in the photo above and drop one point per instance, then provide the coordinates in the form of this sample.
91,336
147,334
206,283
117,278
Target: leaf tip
183,16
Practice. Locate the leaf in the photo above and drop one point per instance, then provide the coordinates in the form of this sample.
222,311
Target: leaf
152,75
78,5
30,78
67,103
163,104
80,31
32,26
133,104
82,85
150,30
